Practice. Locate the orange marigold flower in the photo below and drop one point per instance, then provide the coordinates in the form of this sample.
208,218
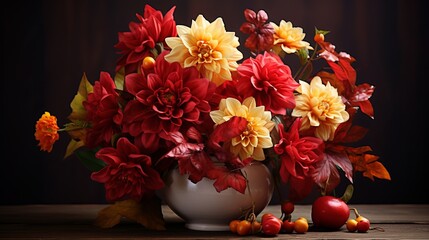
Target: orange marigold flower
47,131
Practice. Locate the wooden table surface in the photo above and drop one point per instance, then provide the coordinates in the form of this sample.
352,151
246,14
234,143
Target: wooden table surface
76,222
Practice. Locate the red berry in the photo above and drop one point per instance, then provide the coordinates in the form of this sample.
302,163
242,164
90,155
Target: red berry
288,207
319,37
288,226
363,226
271,225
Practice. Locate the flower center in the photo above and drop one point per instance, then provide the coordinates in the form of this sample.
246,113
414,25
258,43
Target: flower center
204,52
324,107
249,136
124,179
167,98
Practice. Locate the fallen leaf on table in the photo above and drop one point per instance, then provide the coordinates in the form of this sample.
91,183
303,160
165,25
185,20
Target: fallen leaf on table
147,212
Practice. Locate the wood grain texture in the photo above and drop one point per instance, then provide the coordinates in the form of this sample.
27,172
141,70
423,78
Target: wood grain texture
76,222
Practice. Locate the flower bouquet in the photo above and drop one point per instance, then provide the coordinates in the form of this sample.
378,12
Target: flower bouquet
183,97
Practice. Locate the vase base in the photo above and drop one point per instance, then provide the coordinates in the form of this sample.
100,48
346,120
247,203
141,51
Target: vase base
207,227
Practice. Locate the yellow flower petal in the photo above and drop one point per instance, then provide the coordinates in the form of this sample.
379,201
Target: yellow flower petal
208,46
289,38
257,134
321,107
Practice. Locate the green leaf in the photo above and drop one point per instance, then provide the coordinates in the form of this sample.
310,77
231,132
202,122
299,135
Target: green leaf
324,32
73,146
87,157
158,49
348,193
303,55
120,79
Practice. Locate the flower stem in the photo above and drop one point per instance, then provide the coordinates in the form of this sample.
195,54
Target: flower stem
302,69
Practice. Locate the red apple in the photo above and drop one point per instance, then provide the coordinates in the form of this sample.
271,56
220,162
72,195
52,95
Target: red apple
329,212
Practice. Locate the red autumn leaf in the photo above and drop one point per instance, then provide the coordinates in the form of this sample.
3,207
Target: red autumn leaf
366,107
338,70
328,51
227,130
236,162
344,80
348,133
195,165
358,150
340,63
345,64
360,98
194,134
343,68
326,174
184,150
362,92
355,134
175,137
225,179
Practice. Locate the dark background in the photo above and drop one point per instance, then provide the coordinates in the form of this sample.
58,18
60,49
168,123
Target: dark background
48,45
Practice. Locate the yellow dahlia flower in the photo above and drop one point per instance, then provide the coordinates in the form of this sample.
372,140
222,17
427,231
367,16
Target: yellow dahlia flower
319,106
207,46
289,38
249,143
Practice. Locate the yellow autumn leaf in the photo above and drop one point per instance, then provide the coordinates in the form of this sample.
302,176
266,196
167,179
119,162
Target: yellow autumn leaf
72,146
77,131
120,79
147,212
78,110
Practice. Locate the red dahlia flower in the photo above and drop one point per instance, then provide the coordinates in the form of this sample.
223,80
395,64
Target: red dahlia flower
261,33
166,100
298,157
153,28
269,81
103,112
128,174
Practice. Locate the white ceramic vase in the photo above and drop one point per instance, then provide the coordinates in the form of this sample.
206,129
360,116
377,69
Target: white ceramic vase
205,209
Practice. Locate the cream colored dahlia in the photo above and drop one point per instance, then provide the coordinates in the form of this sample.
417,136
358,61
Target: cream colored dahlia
252,141
289,38
319,106
207,46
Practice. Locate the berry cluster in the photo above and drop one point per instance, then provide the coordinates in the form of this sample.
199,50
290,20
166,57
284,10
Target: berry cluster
360,224
270,225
